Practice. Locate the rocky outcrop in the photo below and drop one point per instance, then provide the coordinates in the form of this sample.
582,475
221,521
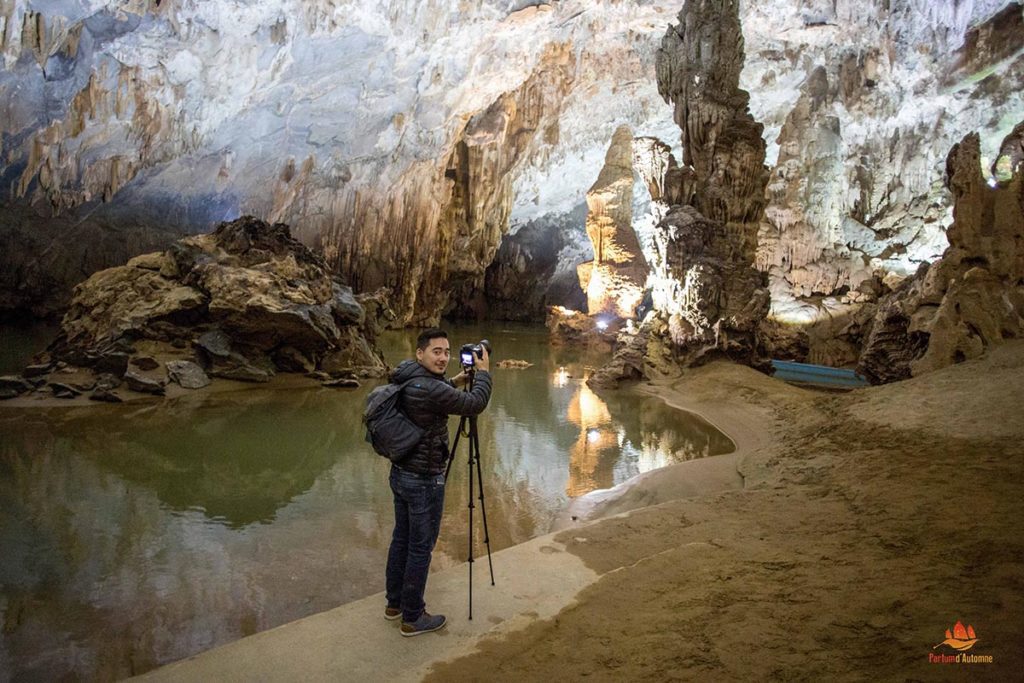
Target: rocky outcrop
614,281
242,302
707,297
573,328
401,139
973,297
477,191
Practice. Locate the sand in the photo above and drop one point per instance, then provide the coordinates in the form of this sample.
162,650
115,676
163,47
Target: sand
839,542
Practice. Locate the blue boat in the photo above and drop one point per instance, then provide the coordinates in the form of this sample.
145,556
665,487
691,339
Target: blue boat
817,375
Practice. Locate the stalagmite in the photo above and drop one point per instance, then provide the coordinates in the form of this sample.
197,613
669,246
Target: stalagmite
708,299
614,280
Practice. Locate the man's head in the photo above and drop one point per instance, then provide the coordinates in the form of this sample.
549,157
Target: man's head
432,350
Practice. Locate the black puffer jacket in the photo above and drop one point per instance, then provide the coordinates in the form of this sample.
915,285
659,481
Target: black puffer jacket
428,400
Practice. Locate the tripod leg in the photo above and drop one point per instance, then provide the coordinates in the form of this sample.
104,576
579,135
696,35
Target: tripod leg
475,444
455,445
472,459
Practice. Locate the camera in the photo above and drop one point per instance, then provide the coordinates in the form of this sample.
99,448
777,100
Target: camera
468,351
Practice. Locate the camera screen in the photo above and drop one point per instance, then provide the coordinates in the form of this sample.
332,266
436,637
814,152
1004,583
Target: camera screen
467,358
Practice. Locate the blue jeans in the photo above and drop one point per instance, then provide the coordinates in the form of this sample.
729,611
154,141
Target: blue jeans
419,502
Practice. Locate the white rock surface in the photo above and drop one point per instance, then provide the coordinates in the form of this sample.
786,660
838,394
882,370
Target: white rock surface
341,117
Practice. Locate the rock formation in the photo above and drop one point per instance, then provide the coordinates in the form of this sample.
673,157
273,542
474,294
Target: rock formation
707,297
862,101
973,297
405,141
614,281
242,302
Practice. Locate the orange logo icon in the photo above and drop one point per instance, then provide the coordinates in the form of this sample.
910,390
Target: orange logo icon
961,638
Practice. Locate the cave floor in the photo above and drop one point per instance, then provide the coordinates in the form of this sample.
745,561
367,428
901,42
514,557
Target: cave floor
839,542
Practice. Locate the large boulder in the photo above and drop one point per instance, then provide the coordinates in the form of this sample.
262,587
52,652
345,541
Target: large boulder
233,300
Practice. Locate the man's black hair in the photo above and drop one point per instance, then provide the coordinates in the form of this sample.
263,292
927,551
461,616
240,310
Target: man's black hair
423,340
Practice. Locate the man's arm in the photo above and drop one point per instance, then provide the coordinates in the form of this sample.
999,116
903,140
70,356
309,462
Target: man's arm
451,401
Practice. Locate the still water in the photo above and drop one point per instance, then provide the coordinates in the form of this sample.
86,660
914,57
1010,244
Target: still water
134,535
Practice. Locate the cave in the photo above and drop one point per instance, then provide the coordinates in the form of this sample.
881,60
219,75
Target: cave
752,275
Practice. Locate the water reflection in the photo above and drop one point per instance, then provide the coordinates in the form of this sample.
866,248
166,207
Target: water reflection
136,535
644,435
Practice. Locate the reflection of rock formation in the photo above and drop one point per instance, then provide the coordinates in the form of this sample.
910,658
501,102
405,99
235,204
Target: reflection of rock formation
628,435
592,456
972,297
707,297
148,536
663,434
614,280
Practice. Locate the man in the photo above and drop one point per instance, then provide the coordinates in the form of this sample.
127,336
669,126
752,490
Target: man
417,482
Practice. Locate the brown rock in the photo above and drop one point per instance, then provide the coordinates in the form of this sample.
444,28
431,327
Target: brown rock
144,363
248,289
105,396
577,329
136,381
290,359
19,385
61,390
37,370
187,374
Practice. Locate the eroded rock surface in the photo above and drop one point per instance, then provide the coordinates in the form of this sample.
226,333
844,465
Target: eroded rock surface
973,297
707,297
879,92
399,139
614,281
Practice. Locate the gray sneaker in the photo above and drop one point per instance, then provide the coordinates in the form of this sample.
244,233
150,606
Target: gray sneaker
425,624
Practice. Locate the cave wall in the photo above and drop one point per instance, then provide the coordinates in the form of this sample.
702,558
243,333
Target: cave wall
862,101
396,138
402,139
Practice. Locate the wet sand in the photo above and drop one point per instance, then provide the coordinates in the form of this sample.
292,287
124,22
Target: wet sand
856,529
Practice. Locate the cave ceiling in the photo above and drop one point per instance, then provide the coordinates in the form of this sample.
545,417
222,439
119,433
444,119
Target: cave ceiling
404,139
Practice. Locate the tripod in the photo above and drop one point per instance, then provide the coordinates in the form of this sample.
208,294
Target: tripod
467,428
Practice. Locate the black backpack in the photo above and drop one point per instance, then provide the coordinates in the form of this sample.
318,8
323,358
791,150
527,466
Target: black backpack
388,429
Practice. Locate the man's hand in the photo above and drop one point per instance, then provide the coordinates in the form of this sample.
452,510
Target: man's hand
460,379
484,361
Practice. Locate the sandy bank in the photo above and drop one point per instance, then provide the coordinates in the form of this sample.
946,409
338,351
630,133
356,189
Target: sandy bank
868,524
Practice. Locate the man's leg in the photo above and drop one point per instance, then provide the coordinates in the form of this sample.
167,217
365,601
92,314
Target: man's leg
397,553
424,496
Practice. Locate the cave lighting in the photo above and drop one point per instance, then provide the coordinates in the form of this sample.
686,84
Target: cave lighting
593,435
602,324
561,377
